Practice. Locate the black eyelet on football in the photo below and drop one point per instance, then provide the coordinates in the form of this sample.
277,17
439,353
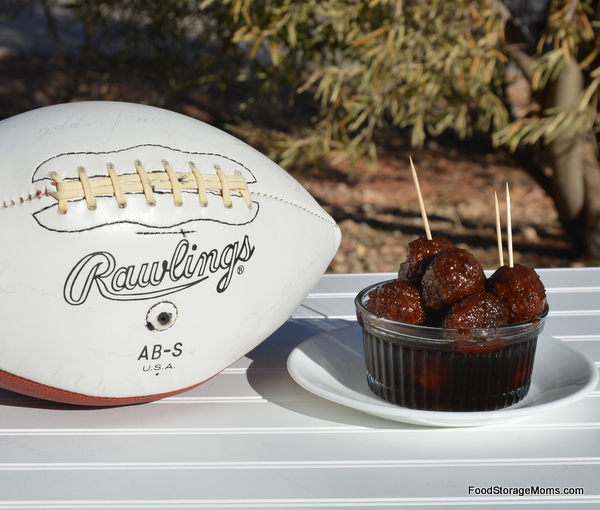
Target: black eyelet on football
161,316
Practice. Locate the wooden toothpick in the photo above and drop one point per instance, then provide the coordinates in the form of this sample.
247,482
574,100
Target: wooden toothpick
420,198
498,231
509,229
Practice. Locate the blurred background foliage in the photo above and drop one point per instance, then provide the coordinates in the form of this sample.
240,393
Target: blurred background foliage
364,66
348,71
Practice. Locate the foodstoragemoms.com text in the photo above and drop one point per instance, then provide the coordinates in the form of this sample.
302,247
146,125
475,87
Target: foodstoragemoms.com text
533,490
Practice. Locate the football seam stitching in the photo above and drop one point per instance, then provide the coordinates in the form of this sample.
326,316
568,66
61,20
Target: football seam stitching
294,204
45,193
39,194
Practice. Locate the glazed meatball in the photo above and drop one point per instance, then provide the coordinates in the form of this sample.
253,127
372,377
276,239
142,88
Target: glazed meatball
420,253
521,289
452,275
481,310
397,300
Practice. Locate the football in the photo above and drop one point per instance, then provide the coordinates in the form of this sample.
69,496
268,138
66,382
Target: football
143,252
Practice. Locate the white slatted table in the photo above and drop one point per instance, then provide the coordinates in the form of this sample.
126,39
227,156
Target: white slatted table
252,438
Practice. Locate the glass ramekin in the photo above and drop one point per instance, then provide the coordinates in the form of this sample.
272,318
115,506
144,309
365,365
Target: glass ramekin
437,369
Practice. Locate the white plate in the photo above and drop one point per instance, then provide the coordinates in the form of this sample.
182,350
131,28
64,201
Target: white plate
331,365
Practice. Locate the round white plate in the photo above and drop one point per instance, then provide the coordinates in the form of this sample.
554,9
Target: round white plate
331,365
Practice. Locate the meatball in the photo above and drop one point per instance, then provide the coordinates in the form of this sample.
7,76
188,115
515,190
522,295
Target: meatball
397,300
521,289
452,275
481,310
420,253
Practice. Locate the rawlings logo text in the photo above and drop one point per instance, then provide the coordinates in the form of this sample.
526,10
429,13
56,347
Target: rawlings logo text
148,280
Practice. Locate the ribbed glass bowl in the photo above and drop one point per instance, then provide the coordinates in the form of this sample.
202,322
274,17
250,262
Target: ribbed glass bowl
438,369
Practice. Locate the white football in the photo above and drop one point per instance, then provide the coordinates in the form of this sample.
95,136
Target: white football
143,252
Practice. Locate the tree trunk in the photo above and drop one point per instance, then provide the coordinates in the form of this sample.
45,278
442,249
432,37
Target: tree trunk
591,207
565,153
575,168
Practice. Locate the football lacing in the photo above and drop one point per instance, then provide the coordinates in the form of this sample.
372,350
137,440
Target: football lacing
148,183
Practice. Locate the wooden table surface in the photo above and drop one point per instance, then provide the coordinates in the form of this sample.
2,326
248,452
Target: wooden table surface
253,438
